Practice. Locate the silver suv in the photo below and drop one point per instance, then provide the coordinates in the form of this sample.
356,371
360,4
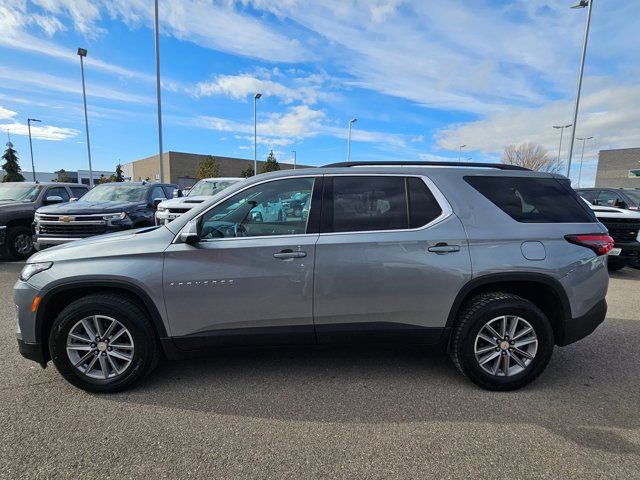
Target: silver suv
494,263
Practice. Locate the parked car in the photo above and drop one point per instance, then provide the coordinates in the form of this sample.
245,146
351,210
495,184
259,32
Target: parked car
109,207
627,198
171,209
494,263
624,227
18,203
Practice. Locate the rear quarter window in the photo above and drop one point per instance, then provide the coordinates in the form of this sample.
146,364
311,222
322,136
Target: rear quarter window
532,200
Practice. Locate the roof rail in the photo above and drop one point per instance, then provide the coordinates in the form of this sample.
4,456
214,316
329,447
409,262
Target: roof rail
499,166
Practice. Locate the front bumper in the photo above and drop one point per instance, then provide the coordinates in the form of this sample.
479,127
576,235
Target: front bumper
577,328
32,351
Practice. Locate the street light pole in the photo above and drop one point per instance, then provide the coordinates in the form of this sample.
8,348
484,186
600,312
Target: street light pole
460,147
581,4
584,140
561,127
33,167
158,92
295,155
351,122
82,52
255,134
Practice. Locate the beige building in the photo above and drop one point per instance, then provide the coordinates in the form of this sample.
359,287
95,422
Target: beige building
181,168
619,168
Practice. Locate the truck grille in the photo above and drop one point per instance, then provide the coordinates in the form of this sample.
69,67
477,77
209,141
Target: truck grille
72,230
622,229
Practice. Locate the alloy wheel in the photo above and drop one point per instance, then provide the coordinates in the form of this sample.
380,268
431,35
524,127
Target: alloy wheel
100,347
23,244
505,345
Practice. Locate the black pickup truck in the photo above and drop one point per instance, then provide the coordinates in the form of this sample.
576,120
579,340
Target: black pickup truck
109,207
18,203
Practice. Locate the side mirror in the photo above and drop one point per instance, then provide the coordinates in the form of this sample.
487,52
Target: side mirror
177,193
189,233
53,199
73,199
157,201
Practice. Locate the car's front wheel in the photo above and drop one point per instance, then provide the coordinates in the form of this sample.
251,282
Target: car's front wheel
501,341
19,243
103,343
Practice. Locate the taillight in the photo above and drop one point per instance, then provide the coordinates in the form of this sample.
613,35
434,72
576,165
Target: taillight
601,244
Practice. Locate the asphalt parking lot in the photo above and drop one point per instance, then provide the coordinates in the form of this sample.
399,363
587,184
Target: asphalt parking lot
332,413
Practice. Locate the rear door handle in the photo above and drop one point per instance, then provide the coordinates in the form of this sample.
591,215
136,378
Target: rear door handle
286,254
444,248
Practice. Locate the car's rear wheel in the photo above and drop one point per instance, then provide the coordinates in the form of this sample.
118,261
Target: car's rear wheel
501,341
19,243
103,343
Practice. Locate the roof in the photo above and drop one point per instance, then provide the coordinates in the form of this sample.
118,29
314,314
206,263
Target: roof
48,184
138,184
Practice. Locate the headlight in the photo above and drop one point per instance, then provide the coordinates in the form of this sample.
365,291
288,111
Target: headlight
115,216
30,269
161,209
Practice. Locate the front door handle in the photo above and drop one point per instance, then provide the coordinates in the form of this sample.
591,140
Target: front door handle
286,254
444,248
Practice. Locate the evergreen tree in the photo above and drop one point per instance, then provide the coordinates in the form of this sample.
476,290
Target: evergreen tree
271,165
119,174
208,168
11,166
247,172
62,176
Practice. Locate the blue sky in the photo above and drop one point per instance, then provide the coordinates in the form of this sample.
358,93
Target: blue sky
422,77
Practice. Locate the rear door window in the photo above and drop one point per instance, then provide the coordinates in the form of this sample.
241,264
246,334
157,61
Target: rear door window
423,206
366,203
533,200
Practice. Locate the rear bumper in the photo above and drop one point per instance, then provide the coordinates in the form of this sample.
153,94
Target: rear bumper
577,328
32,351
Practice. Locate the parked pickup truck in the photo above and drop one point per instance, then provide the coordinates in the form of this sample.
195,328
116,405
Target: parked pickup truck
18,203
109,207
624,228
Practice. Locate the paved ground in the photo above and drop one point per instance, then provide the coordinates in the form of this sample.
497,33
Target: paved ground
332,413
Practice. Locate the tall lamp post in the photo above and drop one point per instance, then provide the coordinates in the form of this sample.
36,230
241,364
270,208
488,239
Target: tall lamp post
295,155
583,140
581,4
255,134
82,52
460,147
561,127
158,92
33,167
351,122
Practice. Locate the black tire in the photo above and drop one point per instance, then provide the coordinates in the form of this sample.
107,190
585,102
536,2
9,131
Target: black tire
15,246
146,353
614,266
474,315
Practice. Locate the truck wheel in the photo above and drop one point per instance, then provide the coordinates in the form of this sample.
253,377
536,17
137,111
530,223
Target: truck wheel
19,243
103,343
501,341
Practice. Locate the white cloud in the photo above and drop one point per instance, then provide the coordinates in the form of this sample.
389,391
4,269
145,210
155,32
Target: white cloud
47,132
17,79
6,114
240,87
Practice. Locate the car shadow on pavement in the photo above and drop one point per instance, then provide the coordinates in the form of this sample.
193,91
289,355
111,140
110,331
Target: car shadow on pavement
589,390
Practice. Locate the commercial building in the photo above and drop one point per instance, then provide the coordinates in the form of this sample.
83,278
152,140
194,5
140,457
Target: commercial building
619,168
181,168
78,176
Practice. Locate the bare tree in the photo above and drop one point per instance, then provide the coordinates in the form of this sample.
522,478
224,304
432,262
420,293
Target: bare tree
531,156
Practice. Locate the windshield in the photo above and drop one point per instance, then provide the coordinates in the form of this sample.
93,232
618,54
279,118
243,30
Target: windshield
633,195
18,192
209,187
116,193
